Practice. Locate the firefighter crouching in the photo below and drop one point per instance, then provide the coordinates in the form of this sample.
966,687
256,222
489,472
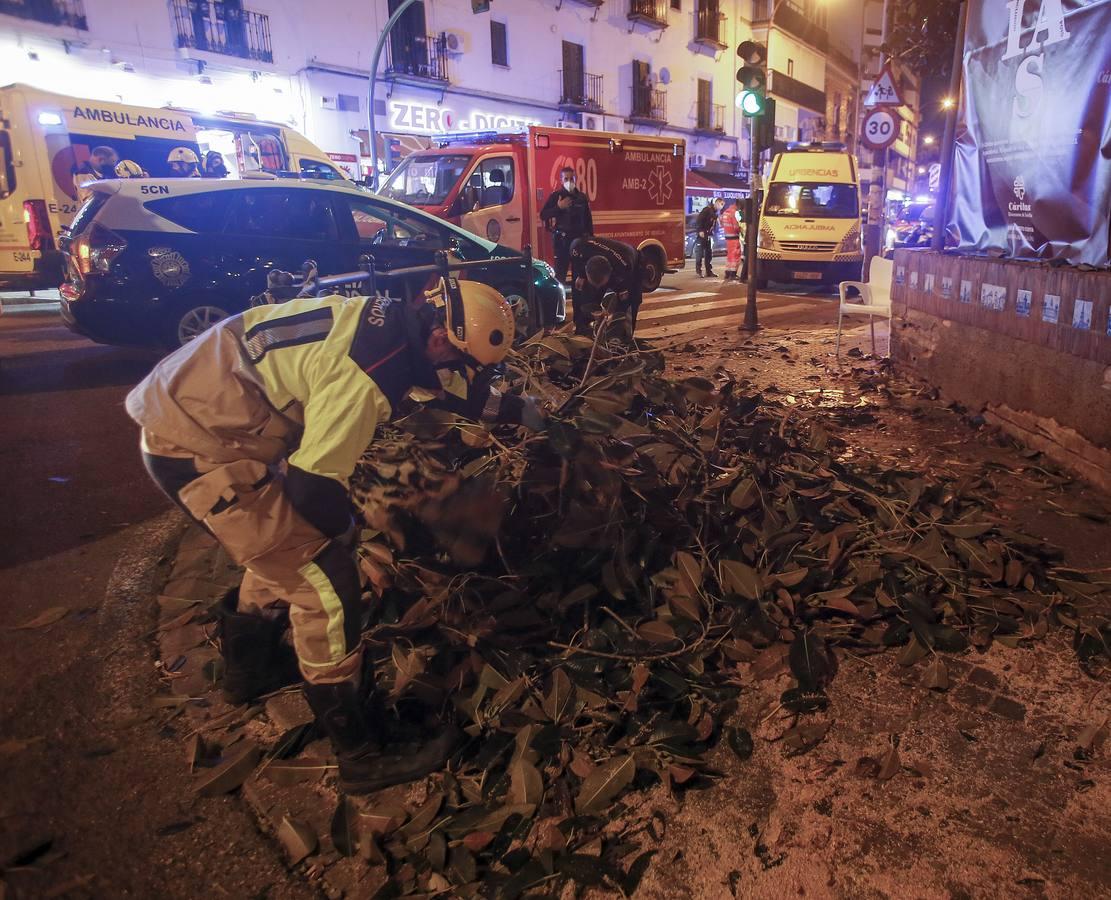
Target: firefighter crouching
305,382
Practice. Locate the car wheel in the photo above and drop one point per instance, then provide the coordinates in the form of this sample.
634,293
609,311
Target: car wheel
522,314
653,270
194,320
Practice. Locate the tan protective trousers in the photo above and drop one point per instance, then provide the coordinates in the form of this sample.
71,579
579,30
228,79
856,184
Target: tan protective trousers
287,560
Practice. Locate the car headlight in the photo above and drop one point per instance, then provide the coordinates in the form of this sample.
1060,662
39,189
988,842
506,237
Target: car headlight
545,267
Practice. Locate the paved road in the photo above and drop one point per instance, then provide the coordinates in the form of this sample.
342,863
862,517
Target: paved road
81,528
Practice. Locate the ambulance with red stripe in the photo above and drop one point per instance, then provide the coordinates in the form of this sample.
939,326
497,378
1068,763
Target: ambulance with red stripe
494,185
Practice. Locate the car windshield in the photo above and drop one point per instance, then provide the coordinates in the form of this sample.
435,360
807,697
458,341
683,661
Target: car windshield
425,180
812,201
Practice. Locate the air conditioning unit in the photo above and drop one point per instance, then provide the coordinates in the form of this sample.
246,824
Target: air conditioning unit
593,122
455,42
696,161
328,103
568,123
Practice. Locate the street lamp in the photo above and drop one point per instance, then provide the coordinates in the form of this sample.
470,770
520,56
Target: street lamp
928,140
948,103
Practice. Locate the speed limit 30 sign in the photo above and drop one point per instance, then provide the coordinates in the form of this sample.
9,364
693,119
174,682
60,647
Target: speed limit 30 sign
881,127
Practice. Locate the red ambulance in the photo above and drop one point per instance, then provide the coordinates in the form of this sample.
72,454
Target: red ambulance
494,185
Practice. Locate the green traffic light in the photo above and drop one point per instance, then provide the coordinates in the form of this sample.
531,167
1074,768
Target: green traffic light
751,103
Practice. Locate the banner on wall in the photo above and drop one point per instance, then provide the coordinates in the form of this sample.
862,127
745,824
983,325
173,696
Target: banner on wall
1032,174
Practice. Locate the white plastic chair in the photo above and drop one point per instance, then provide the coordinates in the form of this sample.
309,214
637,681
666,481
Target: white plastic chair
874,300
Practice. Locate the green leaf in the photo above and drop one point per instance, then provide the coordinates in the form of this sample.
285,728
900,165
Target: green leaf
740,742
603,784
344,828
739,578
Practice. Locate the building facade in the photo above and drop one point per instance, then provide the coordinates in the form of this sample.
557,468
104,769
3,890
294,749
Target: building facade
651,66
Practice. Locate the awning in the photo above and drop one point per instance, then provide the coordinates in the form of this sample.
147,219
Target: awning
700,181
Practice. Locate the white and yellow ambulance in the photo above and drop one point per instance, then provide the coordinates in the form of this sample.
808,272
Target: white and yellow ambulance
52,145
810,218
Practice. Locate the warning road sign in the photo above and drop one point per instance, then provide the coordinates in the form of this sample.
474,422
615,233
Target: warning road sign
885,90
881,128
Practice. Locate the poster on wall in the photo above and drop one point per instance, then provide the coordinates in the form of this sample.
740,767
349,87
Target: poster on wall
1033,157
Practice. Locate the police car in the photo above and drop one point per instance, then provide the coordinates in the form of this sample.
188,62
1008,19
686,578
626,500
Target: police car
154,262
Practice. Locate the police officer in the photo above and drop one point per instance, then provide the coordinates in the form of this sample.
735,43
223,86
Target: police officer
304,384
703,245
567,215
600,266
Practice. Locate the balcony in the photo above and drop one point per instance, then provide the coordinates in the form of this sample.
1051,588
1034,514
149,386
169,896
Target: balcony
593,3
792,21
797,92
652,13
70,13
649,106
580,91
707,26
711,118
234,31
422,60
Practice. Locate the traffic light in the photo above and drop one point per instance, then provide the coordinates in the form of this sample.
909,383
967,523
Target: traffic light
480,6
765,126
753,78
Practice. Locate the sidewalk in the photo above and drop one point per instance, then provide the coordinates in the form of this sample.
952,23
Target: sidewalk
16,302
991,781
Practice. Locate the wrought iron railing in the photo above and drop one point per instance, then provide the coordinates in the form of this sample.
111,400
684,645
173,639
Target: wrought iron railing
796,91
649,104
711,117
50,12
651,12
233,32
707,23
580,90
425,56
790,20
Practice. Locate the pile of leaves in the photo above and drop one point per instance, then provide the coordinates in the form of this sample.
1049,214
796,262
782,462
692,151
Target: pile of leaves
585,600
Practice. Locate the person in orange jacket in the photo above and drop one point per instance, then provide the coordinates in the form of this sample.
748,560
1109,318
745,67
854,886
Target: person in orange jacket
732,224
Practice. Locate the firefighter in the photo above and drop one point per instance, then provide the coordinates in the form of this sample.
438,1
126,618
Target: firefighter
184,163
214,165
600,266
566,214
704,240
128,168
732,224
254,429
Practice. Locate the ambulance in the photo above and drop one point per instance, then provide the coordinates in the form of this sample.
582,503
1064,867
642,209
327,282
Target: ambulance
48,142
494,185
810,217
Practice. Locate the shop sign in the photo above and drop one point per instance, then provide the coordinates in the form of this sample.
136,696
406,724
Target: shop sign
419,117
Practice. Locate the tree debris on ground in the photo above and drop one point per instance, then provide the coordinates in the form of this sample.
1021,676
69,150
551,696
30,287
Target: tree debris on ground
586,599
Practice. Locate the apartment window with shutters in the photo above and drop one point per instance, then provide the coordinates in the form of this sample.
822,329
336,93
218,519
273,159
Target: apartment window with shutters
705,103
790,68
499,44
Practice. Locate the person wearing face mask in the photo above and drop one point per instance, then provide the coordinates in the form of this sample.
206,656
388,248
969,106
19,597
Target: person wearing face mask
567,216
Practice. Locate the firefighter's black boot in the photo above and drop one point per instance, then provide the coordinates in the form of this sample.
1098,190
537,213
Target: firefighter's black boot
342,711
257,659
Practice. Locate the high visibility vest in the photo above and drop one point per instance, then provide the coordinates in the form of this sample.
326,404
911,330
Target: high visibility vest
730,223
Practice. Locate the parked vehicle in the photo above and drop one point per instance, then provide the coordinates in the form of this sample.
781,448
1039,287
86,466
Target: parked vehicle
49,144
717,239
155,262
495,184
914,228
810,218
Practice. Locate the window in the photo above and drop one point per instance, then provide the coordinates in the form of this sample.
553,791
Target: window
574,81
790,68
385,226
677,4
305,215
202,213
705,103
314,168
499,44
7,166
492,183
826,201
426,180
347,102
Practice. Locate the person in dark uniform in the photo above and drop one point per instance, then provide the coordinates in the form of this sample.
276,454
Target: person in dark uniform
704,225
567,215
599,266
